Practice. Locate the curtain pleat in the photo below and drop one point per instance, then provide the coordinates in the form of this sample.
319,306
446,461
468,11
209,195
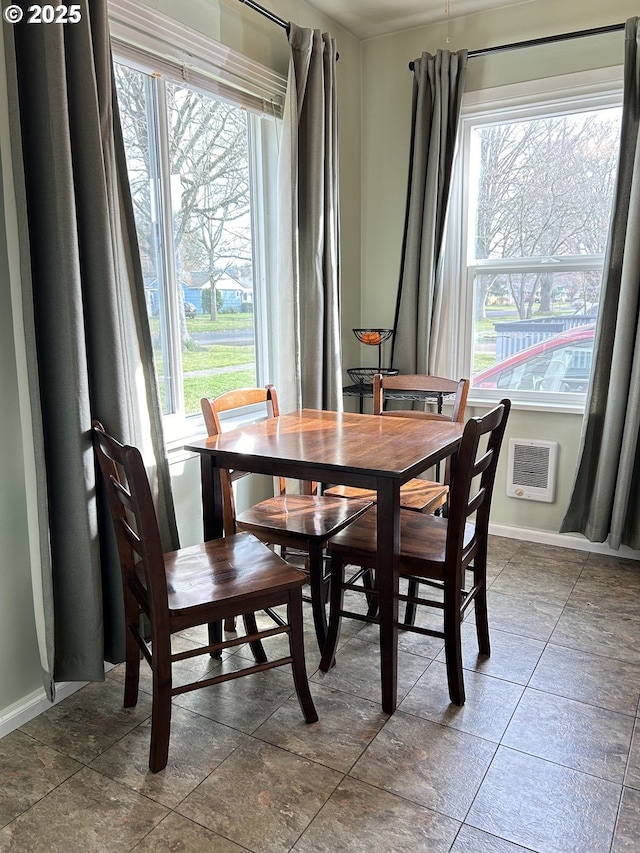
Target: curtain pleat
90,335
308,371
605,502
30,413
438,86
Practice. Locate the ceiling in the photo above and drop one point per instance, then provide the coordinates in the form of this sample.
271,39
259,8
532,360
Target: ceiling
370,18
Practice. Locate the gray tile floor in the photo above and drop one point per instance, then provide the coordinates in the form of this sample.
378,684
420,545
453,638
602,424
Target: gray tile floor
544,756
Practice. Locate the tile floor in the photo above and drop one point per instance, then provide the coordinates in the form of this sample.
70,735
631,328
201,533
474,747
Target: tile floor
544,756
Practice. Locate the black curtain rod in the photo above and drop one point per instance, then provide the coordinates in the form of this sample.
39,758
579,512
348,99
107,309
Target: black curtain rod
595,31
276,20
267,14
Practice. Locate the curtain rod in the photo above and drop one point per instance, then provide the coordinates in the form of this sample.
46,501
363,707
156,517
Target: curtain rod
267,14
595,31
274,18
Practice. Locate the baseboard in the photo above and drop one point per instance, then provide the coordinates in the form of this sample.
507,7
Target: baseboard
562,540
36,703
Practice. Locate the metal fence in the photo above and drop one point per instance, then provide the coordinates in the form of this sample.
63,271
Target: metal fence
516,335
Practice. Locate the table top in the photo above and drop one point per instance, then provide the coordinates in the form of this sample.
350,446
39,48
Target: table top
324,442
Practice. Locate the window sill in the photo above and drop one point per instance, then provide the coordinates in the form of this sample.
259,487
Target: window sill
552,407
178,432
181,431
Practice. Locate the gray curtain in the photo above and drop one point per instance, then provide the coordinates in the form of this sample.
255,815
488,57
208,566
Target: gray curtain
85,320
308,362
605,503
438,85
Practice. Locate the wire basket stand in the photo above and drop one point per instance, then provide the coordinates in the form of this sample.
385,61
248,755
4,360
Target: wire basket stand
371,337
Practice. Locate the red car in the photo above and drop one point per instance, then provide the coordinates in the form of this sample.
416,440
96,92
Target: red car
560,363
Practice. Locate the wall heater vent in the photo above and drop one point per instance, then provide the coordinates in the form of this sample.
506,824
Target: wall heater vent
531,471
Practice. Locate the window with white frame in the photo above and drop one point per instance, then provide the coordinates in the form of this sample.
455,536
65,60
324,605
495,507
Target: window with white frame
536,196
202,179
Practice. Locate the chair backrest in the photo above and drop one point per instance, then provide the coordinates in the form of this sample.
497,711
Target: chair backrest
227,402
237,399
467,497
134,518
413,382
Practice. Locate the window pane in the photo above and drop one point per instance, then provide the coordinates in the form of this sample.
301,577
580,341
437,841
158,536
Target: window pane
135,99
534,332
188,163
543,187
541,192
209,161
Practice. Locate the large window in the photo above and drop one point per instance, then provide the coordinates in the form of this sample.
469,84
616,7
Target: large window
200,128
539,182
188,161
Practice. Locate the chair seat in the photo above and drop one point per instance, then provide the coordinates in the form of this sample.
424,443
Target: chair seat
417,495
303,517
423,540
223,570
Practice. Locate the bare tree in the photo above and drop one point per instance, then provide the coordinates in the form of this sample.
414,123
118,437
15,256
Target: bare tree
209,164
545,189
209,153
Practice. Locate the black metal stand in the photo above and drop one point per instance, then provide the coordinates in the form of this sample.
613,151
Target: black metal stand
366,390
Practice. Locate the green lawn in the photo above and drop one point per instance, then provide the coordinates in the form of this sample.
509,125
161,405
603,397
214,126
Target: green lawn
224,323
221,355
204,323
207,357
196,387
482,360
211,384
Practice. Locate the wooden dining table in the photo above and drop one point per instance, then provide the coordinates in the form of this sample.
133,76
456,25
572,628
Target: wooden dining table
343,449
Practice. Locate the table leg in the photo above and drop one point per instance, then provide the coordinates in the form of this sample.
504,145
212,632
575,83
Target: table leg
211,498
212,522
388,546
439,407
319,589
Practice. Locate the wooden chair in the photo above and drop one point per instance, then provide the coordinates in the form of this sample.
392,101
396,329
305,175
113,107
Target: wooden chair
296,522
434,550
199,585
418,494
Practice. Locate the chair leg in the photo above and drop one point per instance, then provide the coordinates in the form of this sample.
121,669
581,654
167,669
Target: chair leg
215,636
251,627
336,598
369,583
161,706
453,651
296,647
131,670
318,586
480,601
410,611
